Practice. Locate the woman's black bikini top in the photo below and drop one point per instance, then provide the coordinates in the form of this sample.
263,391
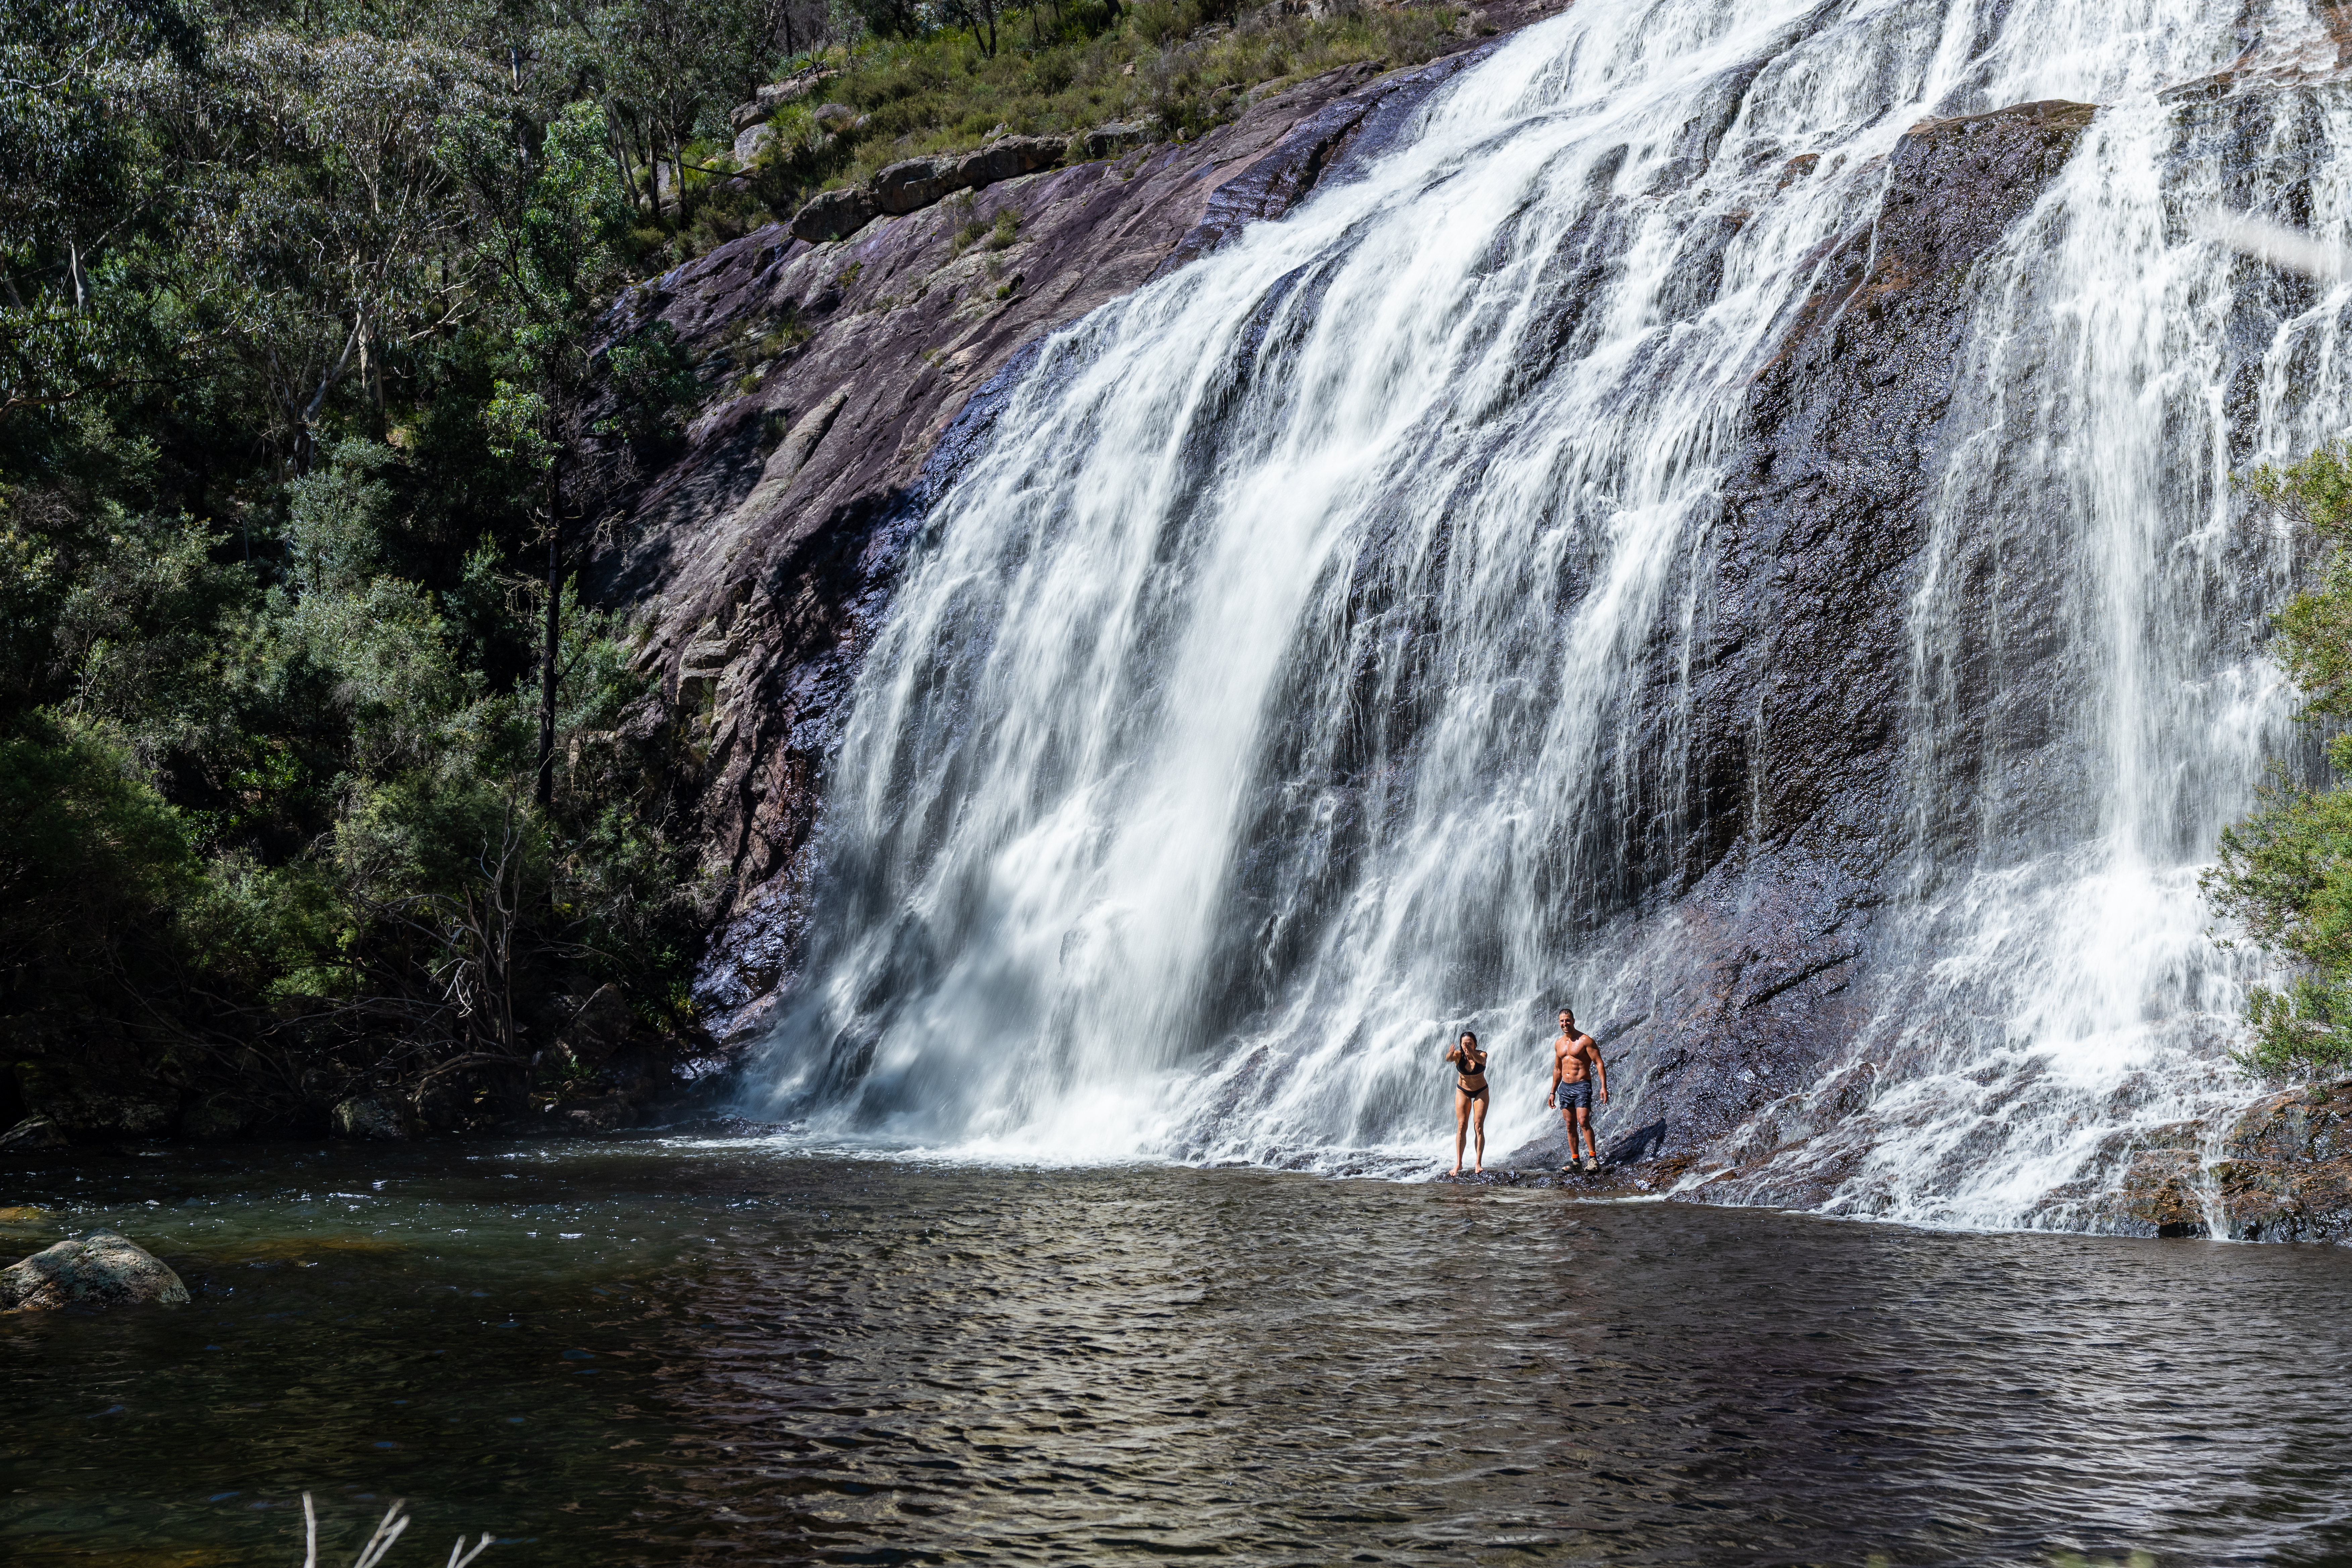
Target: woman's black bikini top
1465,1070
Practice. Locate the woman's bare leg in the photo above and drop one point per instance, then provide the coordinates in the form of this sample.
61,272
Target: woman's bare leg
1478,1120
1461,1125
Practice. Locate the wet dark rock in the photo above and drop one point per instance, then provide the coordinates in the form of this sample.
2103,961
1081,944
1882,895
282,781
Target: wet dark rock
100,1099
375,1116
215,1119
2286,1173
34,1133
1809,653
2283,1172
101,1269
1545,1172
1798,749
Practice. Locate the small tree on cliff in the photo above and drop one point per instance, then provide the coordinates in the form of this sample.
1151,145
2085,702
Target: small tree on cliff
2286,873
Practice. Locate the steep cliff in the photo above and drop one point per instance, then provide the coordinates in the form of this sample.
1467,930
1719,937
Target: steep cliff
758,560
1890,634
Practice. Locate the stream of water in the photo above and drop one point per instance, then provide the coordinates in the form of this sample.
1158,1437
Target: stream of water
756,1351
1272,699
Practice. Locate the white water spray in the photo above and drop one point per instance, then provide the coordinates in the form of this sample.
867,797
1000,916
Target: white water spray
1280,691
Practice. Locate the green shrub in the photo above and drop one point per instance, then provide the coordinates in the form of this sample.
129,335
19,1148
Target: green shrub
2284,874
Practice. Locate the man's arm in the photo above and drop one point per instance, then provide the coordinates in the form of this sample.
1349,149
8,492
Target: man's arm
1600,1069
1553,1091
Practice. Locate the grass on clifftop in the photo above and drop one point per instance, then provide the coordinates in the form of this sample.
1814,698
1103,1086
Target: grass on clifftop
1057,71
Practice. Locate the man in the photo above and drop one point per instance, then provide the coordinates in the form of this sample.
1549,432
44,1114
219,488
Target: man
1575,1065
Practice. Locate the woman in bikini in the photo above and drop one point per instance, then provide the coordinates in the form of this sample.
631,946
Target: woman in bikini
1469,1064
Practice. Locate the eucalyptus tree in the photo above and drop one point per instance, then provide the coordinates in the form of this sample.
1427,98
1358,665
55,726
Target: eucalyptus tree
81,185
548,220
329,223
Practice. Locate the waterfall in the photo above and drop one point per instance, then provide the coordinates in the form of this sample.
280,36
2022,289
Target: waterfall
1317,660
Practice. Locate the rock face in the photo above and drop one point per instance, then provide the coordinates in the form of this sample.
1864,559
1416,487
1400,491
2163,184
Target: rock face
1800,701
764,555
760,577
101,1269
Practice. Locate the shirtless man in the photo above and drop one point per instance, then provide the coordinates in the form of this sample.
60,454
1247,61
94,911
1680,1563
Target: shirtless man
1575,1065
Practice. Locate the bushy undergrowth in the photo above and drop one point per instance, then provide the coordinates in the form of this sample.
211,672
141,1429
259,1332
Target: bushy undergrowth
1187,66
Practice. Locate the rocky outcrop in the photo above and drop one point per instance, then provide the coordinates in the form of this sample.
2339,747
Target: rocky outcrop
914,184
101,1269
775,95
760,559
2282,1172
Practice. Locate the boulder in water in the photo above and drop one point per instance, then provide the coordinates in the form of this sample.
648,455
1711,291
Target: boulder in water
373,1116
32,1132
601,1113
101,1269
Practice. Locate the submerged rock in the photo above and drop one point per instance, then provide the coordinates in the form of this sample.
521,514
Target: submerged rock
101,1269
601,1113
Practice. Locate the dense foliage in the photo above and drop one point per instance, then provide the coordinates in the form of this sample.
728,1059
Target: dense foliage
319,781
2286,873
317,778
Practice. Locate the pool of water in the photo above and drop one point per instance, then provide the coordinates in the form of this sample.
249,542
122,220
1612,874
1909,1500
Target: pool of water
654,1352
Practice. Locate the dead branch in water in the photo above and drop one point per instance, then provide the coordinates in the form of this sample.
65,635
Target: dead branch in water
387,1531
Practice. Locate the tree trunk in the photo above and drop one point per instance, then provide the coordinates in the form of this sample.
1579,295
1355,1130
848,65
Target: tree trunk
543,791
615,138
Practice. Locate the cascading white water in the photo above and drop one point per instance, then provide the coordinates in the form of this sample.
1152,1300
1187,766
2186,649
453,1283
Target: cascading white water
1302,672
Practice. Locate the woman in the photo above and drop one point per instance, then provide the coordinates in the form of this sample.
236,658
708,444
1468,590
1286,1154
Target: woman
1469,1064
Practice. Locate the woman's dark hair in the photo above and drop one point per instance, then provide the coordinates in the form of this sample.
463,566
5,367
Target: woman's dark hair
1469,1036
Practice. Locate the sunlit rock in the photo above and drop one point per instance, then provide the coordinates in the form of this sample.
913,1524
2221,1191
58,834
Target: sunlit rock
101,1269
